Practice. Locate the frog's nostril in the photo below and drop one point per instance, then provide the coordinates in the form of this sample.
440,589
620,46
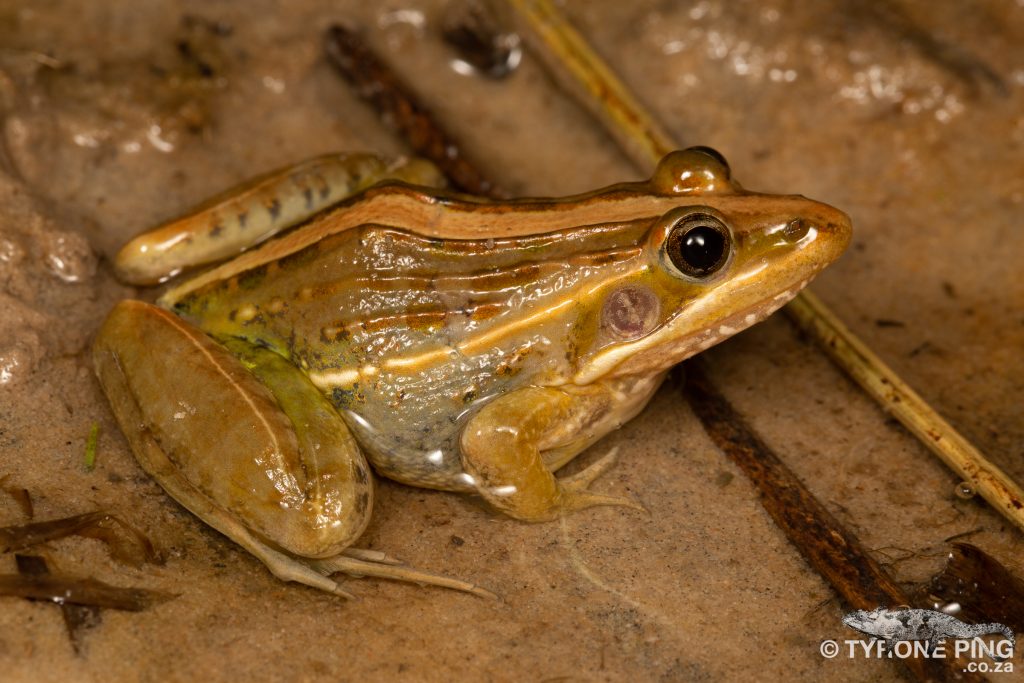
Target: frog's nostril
796,230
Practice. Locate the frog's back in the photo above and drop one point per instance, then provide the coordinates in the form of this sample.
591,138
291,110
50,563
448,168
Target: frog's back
408,334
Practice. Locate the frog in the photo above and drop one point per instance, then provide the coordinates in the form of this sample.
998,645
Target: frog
353,316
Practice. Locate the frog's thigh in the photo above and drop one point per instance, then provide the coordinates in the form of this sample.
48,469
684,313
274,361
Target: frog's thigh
254,211
271,472
501,449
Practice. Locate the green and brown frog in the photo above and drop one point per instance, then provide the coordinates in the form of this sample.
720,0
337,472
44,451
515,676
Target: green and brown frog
452,342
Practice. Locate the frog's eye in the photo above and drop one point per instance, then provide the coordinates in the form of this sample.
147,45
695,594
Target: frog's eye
696,170
698,245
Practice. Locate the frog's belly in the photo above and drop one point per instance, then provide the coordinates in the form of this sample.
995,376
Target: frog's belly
407,394
415,451
409,424
420,444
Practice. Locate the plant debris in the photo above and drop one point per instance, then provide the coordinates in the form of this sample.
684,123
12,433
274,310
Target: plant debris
80,600
78,619
90,446
20,495
480,35
126,543
67,590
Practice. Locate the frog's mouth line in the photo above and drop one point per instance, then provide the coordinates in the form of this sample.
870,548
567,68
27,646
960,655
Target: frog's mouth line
657,351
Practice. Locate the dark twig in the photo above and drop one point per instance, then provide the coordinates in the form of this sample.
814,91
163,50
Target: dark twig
396,104
78,619
61,589
828,547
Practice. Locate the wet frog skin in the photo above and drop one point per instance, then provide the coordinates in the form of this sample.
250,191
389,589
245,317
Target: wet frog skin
452,342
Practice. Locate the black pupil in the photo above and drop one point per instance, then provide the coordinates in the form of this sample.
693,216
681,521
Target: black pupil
702,248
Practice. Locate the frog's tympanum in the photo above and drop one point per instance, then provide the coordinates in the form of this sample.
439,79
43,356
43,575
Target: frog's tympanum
452,342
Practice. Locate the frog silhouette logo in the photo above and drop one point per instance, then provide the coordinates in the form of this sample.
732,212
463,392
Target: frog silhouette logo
895,625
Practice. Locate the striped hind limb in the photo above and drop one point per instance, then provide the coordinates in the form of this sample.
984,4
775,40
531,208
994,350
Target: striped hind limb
242,439
250,213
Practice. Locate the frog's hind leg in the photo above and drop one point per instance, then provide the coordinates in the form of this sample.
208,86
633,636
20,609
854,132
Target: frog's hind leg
254,211
240,437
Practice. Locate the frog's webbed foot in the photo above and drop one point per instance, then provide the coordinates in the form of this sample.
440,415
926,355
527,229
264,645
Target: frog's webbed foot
501,450
289,568
357,567
356,563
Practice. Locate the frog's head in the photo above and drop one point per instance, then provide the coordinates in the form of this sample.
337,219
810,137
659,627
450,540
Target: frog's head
721,260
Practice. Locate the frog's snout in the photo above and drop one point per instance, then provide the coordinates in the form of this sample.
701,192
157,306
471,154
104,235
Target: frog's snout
835,230
817,233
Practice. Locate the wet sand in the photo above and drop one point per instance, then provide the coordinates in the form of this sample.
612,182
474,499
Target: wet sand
118,115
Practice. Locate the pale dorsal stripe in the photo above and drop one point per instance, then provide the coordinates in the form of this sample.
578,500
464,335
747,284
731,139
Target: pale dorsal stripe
413,209
431,214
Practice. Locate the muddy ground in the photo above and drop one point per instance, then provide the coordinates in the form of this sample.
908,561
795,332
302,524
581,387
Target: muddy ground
119,114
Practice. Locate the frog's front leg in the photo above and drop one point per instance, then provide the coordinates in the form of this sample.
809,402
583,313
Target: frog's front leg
514,443
254,211
241,438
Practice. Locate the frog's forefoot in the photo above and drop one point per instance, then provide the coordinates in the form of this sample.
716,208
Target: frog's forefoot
501,451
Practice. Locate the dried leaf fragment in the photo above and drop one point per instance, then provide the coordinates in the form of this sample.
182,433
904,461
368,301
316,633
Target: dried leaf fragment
126,543
63,590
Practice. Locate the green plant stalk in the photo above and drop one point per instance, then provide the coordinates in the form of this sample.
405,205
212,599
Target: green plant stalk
91,442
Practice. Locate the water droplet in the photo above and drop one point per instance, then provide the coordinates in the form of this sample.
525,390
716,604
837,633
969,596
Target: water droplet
964,490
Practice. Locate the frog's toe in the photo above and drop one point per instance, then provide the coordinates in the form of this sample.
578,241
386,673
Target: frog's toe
353,566
342,593
592,472
302,571
575,493
573,500
371,556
